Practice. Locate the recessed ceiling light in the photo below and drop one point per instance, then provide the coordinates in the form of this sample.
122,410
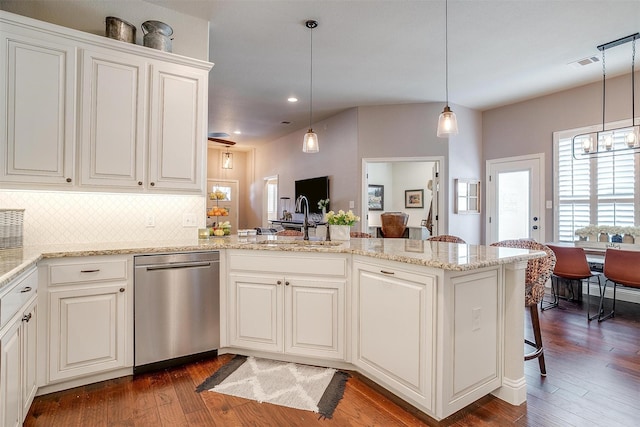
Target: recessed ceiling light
237,132
292,99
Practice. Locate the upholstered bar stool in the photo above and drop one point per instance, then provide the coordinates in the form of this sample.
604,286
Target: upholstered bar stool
446,238
537,273
572,265
621,268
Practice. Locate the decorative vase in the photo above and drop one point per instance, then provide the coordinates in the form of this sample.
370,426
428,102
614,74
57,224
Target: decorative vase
324,214
593,237
339,232
604,237
628,238
616,238
582,238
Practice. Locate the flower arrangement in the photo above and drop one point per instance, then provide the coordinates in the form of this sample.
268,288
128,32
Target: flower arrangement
589,230
342,218
323,203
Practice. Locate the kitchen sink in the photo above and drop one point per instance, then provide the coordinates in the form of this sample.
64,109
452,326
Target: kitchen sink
299,242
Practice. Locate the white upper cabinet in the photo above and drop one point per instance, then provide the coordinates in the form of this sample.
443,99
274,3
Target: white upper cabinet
178,129
138,121
112,91
37,112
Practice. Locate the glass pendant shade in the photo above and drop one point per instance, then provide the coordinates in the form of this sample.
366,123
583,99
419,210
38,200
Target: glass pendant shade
310,142
447,123
227,161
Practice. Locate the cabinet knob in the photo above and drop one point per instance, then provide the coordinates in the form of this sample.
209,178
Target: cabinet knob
26,317
152,184
279,282
121,289
25,289
139,182
286,283
68,179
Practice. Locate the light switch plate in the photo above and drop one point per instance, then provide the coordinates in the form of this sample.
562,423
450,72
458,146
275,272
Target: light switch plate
549,204
189,220
352,204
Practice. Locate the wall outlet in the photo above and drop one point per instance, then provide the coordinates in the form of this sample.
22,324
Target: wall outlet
352,204
189,220
150,220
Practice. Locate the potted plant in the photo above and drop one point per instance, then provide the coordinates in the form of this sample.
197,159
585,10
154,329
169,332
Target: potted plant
340,224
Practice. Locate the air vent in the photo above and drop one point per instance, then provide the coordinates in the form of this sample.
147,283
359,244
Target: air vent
584,62
284,122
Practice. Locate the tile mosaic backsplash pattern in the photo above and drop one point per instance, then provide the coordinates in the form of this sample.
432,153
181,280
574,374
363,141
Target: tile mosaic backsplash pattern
52,217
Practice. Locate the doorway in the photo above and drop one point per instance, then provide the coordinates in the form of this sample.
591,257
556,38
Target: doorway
515,198
387,182
226,200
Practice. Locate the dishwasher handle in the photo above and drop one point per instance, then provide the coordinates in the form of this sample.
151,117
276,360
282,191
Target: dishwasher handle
178,265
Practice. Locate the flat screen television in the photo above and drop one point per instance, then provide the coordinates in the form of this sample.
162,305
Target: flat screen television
314,189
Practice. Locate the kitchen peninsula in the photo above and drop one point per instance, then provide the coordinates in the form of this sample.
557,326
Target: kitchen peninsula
438,324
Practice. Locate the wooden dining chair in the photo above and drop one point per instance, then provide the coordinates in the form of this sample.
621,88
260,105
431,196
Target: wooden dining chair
446,238
572,266
537,273
621,267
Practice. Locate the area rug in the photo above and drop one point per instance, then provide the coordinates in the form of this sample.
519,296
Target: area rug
282,383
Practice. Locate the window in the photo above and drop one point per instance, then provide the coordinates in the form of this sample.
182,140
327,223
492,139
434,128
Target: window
601,190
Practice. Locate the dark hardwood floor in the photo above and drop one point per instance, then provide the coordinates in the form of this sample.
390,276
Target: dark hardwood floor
593,380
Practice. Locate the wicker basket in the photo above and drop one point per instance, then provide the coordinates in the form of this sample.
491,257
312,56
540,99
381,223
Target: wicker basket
11,228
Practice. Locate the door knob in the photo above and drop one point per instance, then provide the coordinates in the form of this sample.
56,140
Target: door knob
535,227
535,218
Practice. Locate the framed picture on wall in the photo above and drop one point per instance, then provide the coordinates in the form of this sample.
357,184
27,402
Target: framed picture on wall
376,197
414,198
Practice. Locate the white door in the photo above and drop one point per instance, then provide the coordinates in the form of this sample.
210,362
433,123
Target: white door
515,198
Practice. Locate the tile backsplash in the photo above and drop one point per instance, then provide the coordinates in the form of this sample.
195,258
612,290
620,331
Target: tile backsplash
52,217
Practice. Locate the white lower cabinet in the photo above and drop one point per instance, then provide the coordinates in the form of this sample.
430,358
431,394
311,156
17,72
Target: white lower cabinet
89,316
288,312
393,328
18,350
10,376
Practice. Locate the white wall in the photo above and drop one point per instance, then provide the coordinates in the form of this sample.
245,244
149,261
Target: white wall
396,178
527,127
190,34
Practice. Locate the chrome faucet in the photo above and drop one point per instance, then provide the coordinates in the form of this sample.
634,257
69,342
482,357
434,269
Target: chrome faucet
299,201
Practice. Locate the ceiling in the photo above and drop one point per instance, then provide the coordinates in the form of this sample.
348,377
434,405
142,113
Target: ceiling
392,52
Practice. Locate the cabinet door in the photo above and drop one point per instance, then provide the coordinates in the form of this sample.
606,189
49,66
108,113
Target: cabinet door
255,312
37,111
10,377
177,127
314,317
393,324
87,330
29,356
112,119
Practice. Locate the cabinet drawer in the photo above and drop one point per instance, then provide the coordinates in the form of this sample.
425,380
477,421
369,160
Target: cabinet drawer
321,264
88,272
18,295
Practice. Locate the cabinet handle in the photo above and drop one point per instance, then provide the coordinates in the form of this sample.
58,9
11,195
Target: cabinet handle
68,179
286,283
26,317
279,282
152,184
26,289
139,182
386,272
90,271
121,289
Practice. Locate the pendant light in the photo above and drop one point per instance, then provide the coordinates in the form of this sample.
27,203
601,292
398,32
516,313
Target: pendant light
227,160
447,122
603,142
310,142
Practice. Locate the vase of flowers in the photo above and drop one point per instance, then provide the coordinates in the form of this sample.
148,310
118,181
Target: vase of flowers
340,224
323,204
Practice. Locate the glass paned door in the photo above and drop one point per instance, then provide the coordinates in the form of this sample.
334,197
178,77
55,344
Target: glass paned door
514,198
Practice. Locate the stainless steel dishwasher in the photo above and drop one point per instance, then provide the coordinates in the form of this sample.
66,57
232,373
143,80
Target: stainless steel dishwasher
176,308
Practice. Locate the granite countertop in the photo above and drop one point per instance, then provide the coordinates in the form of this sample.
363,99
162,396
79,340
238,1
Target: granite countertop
445,256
